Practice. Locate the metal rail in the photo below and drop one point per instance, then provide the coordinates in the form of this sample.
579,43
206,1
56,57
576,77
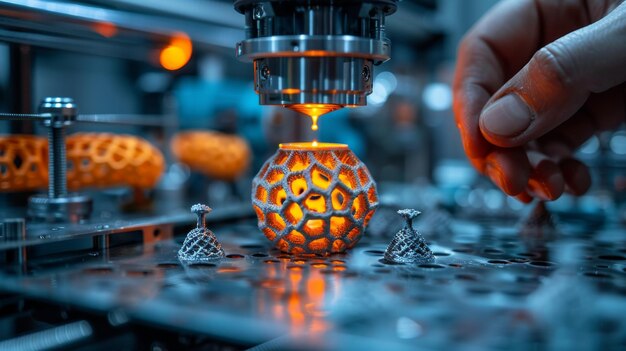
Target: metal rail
122,119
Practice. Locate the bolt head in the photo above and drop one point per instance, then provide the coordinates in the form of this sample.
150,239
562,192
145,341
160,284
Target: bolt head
265,72
365,73
63,111
258,12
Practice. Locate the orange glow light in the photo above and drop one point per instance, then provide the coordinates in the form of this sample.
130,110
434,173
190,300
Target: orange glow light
172,58
312,146
182,41
176,55
314,110
291,91
315,53
106,29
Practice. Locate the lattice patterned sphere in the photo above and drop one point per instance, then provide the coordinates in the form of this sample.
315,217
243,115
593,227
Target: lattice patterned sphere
93,160
217,155
314,199
23,162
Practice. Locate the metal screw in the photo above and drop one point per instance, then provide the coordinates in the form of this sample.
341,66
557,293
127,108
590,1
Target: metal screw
258,12
57,166
365,73
63,112
265,72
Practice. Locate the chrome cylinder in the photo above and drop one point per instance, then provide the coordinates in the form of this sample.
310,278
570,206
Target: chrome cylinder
314,51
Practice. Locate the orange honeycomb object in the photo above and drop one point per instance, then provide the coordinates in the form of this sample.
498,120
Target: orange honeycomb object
93,160
23,162
106,160
217,155
314,198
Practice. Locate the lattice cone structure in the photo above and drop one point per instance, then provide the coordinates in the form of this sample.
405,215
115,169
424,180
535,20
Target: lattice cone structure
216,155
93,159
314,199
539,222
200,245
408,246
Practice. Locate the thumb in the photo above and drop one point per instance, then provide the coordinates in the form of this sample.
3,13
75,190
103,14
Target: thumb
557,81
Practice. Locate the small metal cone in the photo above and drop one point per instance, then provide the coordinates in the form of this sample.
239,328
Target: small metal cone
539,221
200,245
408,246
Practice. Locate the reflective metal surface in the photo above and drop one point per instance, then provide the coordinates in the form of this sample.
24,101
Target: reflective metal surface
319,80
490,287
68,207
314,51
314,46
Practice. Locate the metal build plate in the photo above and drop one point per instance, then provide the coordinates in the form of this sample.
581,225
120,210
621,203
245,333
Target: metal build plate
490,287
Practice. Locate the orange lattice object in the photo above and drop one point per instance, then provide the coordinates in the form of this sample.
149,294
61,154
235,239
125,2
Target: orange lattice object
93,160
314,198
106,160
23,162
217,155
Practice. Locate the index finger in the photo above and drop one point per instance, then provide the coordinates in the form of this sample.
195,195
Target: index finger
492,51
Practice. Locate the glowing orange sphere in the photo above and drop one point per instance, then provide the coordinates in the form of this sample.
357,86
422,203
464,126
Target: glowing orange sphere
314,199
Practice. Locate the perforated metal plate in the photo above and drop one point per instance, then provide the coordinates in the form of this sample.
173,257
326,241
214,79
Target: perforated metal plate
490,287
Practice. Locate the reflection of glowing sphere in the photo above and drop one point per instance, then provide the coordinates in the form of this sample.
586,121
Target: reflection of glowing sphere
314,200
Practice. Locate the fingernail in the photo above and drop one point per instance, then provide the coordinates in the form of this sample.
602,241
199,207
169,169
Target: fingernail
507,116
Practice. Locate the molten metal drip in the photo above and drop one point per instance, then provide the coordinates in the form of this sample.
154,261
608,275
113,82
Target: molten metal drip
314,111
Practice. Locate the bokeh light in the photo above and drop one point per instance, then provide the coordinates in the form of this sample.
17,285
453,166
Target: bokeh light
176,55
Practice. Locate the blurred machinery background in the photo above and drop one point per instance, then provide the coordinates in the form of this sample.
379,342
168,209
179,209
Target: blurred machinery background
161,115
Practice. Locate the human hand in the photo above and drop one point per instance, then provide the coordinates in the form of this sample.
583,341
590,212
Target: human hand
534,80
